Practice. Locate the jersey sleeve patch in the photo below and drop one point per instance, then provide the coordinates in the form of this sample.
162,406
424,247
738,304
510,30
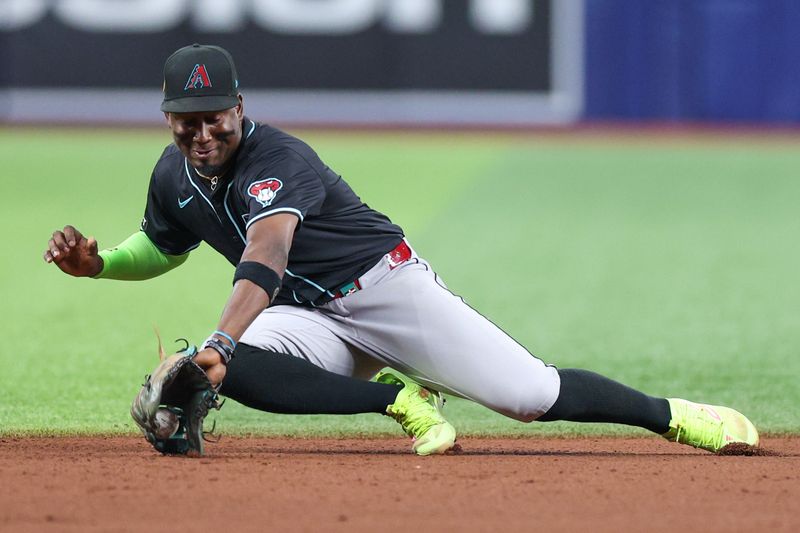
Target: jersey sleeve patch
264,191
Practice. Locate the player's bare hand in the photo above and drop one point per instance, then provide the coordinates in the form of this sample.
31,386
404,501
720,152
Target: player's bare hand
211,361
73,253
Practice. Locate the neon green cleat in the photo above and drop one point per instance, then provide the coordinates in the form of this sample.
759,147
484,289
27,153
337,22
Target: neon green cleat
710,427
417,410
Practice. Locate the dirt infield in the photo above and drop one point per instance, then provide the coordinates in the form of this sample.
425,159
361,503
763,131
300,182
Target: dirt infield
120,484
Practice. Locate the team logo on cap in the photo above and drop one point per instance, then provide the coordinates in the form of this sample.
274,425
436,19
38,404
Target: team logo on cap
264,191
198,79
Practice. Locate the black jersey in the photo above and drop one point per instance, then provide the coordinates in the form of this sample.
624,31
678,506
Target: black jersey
338,237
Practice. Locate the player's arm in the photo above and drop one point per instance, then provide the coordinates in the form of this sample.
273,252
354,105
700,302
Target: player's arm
136,258
260,270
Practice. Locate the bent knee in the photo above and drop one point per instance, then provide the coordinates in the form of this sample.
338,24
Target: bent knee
526,402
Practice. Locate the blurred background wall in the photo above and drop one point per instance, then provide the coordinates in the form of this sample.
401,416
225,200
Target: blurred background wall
697,60
412,62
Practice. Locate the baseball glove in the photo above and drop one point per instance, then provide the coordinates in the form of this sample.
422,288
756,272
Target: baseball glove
173,403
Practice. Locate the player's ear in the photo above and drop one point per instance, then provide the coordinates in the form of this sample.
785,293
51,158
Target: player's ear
240,108
166,117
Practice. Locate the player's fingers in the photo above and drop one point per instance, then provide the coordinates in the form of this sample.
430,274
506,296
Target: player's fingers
72,235
207,358
48,257
53,248
216,374
60,241
92,244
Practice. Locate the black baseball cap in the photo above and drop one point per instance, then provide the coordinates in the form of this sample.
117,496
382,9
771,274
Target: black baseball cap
200,77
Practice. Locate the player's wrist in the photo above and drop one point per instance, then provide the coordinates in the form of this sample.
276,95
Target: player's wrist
224,337
97,266
223,344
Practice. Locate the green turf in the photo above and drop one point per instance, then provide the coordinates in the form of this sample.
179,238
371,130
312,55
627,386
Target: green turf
671,266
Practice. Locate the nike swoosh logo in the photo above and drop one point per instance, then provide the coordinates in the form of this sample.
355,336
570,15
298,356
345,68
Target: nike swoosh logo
182,203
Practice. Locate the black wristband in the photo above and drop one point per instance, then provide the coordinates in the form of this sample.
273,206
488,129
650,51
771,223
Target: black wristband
261,275
225,351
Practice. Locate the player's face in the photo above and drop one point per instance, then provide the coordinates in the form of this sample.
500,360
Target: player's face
207,139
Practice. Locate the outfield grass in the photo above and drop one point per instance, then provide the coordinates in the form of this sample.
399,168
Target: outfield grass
671,266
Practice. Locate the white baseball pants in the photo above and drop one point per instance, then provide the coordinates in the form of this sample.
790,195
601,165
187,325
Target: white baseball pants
406,318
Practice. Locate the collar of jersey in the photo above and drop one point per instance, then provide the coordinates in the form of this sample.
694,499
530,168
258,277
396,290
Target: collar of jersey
186,167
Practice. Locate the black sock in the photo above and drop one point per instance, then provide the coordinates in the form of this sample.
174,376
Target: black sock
280,383
589,397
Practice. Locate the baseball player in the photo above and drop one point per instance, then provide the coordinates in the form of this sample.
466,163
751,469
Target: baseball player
322,277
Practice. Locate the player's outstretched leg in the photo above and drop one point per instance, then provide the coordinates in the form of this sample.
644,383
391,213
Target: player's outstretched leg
589,397
280,383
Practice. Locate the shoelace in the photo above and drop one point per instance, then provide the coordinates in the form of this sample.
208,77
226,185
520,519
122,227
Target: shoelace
416,425
711,438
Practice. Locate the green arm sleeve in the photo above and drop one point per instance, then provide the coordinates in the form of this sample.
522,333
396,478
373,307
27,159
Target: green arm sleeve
137,258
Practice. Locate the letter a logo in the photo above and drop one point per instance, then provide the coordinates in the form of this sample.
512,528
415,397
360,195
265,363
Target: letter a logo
198,78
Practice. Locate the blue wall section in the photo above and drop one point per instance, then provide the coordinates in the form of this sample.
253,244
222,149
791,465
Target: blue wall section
715,60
